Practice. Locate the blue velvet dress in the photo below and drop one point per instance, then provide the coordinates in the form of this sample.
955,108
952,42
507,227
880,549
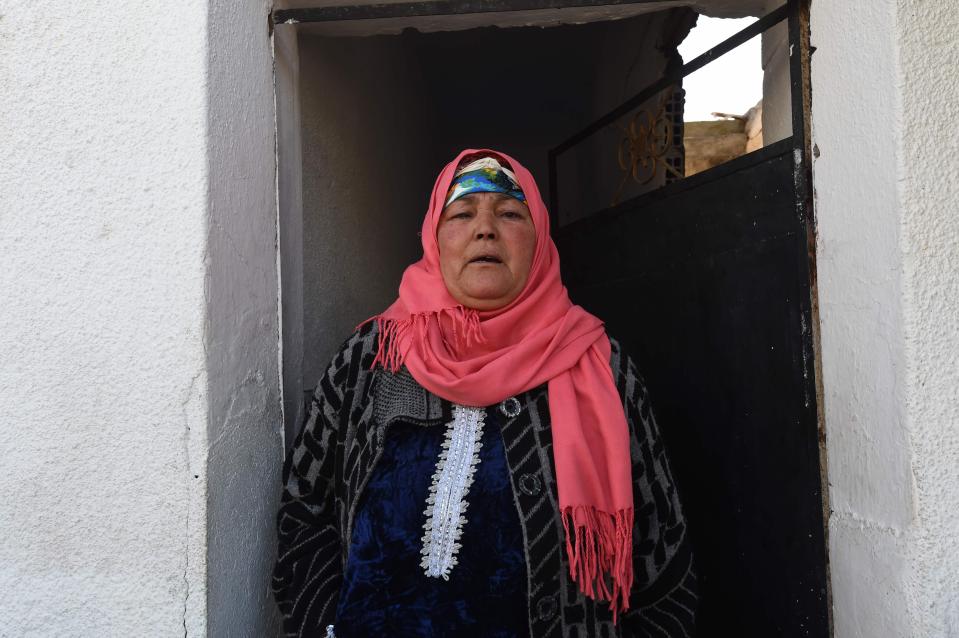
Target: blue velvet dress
385,591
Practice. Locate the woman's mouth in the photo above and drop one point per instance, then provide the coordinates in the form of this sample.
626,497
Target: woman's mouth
486,259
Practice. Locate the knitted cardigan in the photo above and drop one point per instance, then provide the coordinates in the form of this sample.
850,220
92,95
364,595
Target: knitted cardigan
335,452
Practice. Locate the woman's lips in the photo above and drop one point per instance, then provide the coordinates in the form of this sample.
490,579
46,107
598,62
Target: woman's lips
486,259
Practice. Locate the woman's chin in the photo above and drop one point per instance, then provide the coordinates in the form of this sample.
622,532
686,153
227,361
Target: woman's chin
487,286
487,298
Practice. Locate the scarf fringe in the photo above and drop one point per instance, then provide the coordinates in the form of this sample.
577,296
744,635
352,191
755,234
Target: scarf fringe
466,331
601,549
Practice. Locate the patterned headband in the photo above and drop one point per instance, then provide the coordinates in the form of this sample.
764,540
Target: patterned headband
485,175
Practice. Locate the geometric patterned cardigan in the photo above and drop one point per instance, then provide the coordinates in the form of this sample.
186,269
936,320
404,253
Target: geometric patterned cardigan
341,441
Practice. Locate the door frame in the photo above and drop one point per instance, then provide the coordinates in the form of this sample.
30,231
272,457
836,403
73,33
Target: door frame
796,14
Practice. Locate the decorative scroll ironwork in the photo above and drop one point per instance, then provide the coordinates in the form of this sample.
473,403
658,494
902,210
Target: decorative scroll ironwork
647,145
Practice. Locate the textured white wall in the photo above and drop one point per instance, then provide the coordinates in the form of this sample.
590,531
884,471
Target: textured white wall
139,391
103,380
928,45
855,116
885,103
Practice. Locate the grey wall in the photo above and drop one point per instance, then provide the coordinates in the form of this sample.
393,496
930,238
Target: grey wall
244,424
366,183
289,196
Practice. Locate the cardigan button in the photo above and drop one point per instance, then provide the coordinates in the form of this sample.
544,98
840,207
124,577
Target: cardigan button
546,607
530,484
510,407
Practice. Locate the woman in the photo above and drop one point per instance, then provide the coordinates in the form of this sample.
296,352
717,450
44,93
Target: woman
480,459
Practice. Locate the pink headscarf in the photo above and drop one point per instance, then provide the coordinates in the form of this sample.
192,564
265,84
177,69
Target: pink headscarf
479,358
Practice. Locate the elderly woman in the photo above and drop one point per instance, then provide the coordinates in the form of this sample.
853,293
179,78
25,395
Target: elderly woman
481,459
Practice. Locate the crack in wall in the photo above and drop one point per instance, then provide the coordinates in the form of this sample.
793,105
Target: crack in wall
851,518
187,430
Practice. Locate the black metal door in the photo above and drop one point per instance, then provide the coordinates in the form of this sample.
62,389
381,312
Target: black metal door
708,283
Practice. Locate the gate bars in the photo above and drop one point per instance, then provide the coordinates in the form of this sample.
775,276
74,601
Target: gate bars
798,76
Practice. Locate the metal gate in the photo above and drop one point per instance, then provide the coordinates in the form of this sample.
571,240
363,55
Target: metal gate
709,283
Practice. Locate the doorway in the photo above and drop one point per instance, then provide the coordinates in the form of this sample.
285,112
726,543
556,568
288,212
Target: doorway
391,109
707,280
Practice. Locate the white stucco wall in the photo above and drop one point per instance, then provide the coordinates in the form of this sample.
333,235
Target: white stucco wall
777,90
103,380
885,103
929,190
139,389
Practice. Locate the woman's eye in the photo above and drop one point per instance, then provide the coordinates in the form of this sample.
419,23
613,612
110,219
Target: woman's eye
459,215
511,213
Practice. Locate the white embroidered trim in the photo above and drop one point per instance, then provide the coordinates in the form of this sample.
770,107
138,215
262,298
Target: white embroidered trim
329,632
446,503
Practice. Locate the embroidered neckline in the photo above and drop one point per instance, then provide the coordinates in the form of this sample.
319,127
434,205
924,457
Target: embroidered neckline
446,504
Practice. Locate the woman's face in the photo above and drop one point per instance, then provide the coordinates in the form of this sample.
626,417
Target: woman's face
486,243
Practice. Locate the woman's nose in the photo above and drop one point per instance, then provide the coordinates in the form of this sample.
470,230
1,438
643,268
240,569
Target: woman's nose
485,226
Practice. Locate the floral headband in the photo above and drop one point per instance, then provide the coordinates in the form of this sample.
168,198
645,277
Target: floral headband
485,175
